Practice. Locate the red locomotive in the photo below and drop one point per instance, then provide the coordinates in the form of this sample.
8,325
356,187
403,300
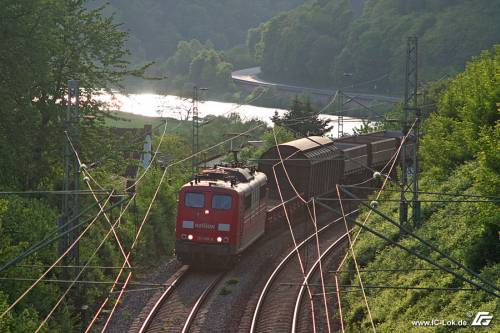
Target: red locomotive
220,213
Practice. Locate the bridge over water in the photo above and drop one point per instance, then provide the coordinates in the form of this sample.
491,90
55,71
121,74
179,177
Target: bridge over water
249,79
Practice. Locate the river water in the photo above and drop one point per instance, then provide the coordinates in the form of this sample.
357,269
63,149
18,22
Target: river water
153,105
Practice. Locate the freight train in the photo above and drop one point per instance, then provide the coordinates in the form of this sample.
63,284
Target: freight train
225,209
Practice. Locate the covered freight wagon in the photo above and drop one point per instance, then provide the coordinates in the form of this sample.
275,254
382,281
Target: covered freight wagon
381,146
311,166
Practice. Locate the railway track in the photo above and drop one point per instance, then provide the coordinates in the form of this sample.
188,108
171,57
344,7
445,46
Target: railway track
301,320
278,300
176,308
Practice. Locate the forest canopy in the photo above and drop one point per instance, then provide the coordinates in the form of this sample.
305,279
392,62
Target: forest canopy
157,26
321,40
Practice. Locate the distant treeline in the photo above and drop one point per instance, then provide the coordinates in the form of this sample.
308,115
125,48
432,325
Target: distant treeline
322,40
157,26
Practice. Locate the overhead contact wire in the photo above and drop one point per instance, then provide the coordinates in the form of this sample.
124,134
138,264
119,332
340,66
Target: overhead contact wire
355,261
85,172
55,263
293,239
339,302
150,162
84,267
147,214
378,194
323,290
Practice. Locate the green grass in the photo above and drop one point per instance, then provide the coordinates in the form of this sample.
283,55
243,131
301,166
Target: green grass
232,281
225,291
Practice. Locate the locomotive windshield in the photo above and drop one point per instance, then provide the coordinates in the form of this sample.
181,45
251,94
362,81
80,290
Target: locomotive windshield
194,200
222,202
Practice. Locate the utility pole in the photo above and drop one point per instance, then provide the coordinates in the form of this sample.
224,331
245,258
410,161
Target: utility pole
71,200
232,149
340,116
196,127
409,160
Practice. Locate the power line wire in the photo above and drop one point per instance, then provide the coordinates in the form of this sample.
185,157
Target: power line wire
339,303
89,260
89,282
354,259
120,246
430,193
301,264
85,172
426,243
322,278
145,218
49,239
76,266
390,270
54,264
420,200
397,287
380,190
150,162
412,252
55,192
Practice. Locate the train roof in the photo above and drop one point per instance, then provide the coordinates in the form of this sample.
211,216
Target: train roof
317,147
235,178
308,143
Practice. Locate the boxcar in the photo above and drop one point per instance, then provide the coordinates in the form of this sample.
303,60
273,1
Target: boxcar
380,147
312,166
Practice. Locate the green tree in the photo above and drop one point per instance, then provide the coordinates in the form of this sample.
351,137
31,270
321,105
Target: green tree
460,150
332,37
200,65
5,322
466,111
46,43
159,25
302,120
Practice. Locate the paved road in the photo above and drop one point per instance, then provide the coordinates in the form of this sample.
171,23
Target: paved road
250,76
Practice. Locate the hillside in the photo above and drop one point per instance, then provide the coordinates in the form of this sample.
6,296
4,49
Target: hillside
460,153
318,42
157,26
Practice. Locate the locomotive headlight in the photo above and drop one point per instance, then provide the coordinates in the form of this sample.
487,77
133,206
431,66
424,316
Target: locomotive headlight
183,236
190,237
226,239
219,239
207,212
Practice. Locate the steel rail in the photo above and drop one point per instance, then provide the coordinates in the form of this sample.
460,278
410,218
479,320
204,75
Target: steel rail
151,315
199,302
308,277
278,269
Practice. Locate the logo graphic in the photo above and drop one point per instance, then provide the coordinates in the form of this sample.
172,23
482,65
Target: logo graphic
482,319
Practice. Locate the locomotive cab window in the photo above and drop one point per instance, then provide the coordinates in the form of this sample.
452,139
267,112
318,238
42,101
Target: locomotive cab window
222,202
194,200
